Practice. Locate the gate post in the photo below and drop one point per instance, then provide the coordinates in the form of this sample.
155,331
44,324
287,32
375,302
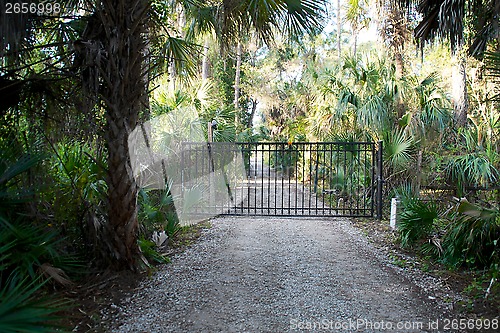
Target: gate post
380,179
211,177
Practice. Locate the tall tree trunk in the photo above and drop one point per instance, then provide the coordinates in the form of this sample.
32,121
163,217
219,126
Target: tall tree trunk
399,39
123,22
172,75
399,62
418,183
252,113
355,43
496,26
146,111
339,30
237,79
460,96
204,64
179,26
397,46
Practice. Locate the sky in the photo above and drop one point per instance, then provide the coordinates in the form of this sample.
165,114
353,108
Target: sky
366,35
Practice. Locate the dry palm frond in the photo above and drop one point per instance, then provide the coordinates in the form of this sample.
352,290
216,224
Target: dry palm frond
56,273
159,238
437,242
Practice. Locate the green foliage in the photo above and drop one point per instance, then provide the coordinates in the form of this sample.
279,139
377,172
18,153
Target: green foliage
398,148
80,164
224,73
362,95
473,237
26,252
23,310
405,193
417,221
12,167
157,212
284,158
76,194
226,130
78,174
28,247
150,250
250,135
430,112
473,169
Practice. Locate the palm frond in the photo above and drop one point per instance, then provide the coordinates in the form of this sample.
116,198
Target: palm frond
182,54
201,18
473,238
451,21
472,169
416,221
373,112
303,17
435,108
441,18
11,167
21,311
492,61
397,149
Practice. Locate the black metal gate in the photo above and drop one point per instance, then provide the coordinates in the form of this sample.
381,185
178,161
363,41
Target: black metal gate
291,179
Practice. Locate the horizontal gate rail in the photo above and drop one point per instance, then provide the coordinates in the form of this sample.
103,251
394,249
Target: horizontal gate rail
289,178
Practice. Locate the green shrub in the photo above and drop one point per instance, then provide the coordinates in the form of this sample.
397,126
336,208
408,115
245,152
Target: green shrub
150,250
472,169
31,250
77,192
13,165
284,158
472,239
27,251
157,212
26,246
416,222
22,309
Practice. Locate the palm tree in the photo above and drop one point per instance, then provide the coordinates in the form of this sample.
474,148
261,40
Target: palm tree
395,32
108,51
362,97
339,29
113,50
445,19
357,16
124,23
128,38
231,20
359,95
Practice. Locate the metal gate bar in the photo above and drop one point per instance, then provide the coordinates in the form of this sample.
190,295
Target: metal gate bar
293,179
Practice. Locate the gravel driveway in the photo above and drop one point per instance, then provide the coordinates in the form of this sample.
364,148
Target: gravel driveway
252,274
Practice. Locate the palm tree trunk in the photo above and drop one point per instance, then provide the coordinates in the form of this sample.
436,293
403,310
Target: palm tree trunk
171,75
204,64
252,113
399,40
418,183
123,21
355,43
237,79
339,30
460,96
399,62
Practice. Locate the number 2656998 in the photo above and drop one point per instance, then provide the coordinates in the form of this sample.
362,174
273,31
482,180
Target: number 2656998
41,8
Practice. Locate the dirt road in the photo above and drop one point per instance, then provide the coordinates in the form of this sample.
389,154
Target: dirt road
279,275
